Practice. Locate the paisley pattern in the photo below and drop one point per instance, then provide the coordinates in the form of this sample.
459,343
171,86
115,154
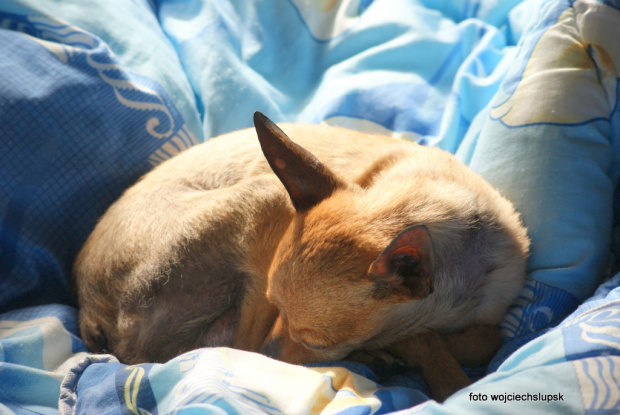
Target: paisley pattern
598,383
594,331
564,47
69,43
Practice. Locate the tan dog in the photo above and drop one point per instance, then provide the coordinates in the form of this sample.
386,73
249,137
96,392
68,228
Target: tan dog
377,247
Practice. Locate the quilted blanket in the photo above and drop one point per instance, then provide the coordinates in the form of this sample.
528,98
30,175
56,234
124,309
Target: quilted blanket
94,94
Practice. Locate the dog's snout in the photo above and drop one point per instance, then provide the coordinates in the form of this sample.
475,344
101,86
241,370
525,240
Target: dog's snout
271,348
280,344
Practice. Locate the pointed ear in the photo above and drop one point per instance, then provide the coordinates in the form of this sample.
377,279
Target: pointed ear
306,179
406,264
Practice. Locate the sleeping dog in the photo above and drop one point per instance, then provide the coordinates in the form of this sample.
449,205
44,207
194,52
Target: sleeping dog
336,245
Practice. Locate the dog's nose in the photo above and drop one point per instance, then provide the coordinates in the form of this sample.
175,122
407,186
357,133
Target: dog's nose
271,348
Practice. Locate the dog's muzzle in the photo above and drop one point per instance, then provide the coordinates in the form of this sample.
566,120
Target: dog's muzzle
271,348
279,345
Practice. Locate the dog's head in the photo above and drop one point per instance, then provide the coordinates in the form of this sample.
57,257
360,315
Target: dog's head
335,283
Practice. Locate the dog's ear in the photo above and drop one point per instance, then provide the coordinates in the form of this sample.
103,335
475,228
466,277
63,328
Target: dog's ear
406,265
306,179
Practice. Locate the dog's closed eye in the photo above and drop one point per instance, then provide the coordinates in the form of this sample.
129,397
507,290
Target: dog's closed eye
313,340
313,346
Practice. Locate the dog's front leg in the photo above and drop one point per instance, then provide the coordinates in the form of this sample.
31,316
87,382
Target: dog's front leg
428,352
474,346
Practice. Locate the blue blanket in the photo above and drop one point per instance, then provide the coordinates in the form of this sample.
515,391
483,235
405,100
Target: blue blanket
94,94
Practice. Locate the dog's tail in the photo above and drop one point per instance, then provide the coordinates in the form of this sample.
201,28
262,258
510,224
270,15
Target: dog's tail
93,334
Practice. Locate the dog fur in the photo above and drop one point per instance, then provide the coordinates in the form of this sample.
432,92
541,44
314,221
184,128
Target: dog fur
306,251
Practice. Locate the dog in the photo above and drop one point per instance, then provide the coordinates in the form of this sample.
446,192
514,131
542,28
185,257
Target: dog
336,245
